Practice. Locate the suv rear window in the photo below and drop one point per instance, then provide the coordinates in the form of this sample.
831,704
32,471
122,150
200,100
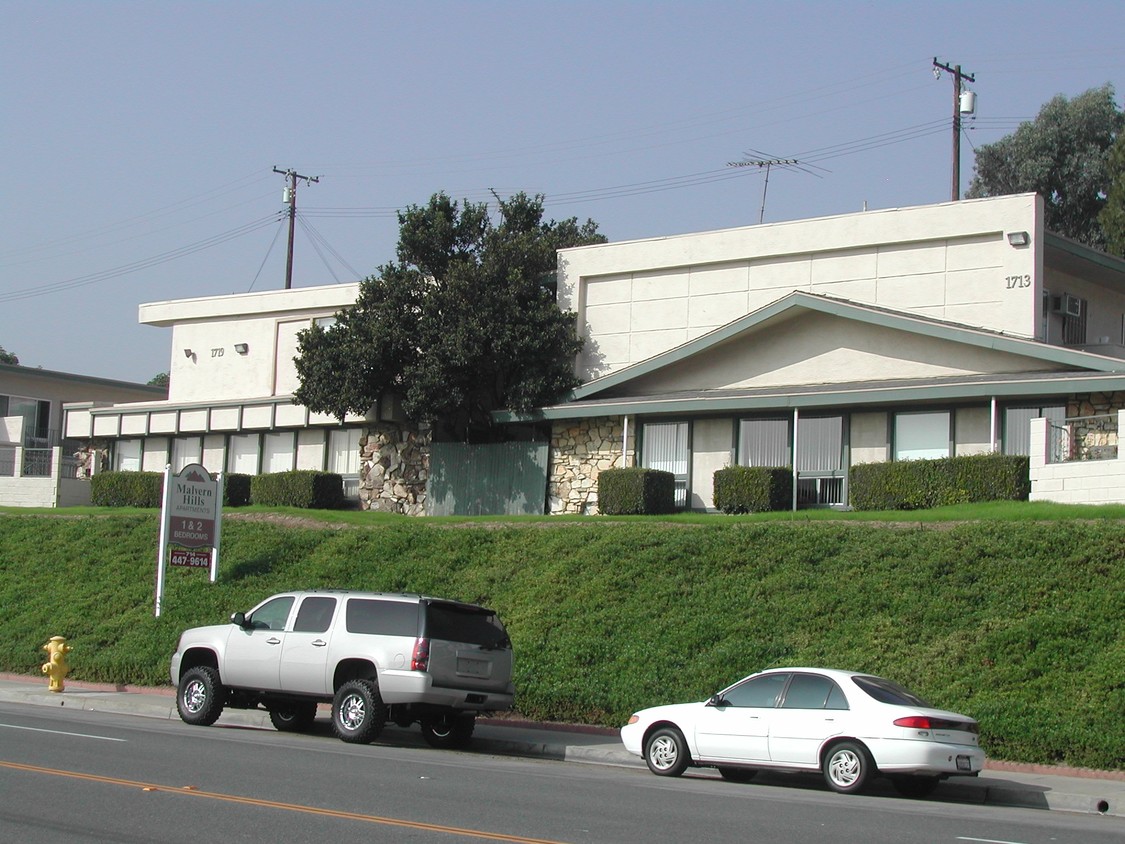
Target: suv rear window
382,618
471,625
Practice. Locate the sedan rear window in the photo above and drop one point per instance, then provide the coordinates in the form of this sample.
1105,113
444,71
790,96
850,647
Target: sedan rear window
887,691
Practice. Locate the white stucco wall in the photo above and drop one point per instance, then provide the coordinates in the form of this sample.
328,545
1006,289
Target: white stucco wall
712,447
211,327
869,438
950,261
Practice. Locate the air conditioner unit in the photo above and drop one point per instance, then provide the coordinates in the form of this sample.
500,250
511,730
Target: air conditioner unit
1072,305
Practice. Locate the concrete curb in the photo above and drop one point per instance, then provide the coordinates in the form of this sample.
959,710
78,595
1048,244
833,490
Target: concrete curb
1001,784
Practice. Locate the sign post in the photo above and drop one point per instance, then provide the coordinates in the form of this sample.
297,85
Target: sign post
191,514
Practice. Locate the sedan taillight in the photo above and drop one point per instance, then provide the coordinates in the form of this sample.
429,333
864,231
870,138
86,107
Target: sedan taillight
420,659
925,722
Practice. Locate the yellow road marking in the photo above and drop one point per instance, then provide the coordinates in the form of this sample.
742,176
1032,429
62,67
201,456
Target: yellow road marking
273,804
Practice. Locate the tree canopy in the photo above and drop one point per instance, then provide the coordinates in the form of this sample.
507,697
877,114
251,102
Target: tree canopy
1112,216
8,357
464,322
1064,156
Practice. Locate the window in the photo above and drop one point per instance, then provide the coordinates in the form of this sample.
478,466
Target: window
315,615
343,451
820,443
382,618
887,691
242,454
809,691
757,691
665,447
922,436
1017,425
185,451
36,419
272,614
277,452
127,456
763,442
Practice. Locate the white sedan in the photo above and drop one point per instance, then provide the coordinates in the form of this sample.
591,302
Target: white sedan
850,726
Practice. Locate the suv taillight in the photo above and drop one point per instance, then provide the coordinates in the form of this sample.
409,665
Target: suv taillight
420,659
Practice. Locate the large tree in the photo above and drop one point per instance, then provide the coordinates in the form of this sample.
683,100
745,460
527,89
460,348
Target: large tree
1112,216
1063,155
463,323
8,357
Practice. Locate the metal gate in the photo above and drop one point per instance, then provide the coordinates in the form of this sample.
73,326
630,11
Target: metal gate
497,479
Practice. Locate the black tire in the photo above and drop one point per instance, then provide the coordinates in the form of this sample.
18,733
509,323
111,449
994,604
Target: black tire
293,717
737,774
666,752
200,697
448,731
358,712
915,786
848,767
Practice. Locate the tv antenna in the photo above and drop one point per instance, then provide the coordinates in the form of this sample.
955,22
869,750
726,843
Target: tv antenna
767,163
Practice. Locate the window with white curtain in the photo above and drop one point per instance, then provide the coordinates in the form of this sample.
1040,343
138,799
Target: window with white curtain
665,447
1017,425
185,451
343,451
242,454
922,436
127,456
763,442
820,443
278,452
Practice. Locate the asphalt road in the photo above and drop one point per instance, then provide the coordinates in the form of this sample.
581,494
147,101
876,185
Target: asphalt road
74,776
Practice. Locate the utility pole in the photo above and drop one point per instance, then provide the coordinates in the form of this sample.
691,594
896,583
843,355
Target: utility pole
291,199
957,75
767,163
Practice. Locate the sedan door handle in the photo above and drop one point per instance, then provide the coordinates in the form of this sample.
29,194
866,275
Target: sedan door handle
273,640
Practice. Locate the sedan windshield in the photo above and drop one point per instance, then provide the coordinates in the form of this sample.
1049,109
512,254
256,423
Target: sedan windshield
886,691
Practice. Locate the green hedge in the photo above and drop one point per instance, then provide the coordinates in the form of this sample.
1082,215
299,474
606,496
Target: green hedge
300,488
236,490
127,489
753,489
921,484
636,492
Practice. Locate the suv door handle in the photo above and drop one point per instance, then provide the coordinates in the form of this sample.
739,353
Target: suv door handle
318,643
273,640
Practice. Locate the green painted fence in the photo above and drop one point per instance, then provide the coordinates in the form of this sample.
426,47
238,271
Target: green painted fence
496,479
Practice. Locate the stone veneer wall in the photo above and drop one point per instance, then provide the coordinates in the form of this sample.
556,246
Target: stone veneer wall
394,466
1096,428
580,450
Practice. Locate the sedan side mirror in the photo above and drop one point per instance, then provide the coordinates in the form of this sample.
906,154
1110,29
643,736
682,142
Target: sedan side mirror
717,700
238,618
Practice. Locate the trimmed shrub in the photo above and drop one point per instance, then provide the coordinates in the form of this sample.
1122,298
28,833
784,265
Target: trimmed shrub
921,484
126,489
236,490
300,488
636,492
753,489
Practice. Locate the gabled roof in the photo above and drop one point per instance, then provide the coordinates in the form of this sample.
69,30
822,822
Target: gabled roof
797,302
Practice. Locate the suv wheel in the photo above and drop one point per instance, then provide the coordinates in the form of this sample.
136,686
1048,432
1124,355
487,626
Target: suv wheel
200,697
293,717
358,712
447,731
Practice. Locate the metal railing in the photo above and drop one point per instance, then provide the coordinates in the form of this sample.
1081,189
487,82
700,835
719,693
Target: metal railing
1083,438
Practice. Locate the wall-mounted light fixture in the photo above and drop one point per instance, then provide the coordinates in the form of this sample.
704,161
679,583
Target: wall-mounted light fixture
187,353
1018,238
241,348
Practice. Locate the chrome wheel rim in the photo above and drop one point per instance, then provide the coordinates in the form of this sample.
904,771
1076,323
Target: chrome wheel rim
845,767
195,696
352,712
663,753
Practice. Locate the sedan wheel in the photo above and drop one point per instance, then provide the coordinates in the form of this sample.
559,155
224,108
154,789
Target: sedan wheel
848,767
666,752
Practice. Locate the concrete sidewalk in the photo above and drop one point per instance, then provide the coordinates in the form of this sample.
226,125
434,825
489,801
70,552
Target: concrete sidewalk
1005,784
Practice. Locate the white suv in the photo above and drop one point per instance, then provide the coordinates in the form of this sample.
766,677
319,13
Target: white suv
376,657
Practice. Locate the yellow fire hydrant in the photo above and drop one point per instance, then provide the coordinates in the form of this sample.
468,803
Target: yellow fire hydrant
56,666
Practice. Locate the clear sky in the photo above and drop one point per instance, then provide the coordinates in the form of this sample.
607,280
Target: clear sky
139,139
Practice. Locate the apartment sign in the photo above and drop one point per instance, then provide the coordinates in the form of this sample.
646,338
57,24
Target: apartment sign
189,527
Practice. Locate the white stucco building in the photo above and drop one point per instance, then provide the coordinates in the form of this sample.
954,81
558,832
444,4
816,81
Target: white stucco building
819,344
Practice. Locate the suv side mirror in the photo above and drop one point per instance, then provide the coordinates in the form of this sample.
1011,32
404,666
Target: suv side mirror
717,700
238,618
